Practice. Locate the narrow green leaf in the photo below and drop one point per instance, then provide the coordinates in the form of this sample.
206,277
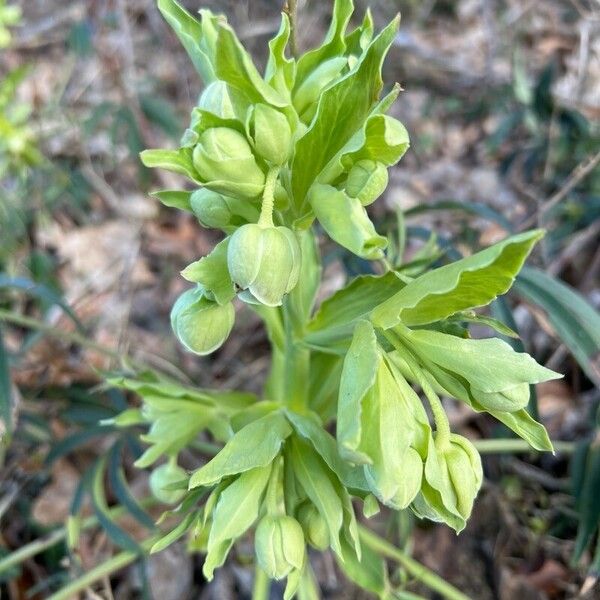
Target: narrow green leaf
40,291
189,31
525,426
495,324
117,534
281,71
358,378
333,44
6,407
369,572
116,477
173,535
325,444
490,366
313,476
587,503
474,208
346,221
238,506
177,161
235,66
575,321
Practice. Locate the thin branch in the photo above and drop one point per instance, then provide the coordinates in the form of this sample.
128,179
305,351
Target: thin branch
580,172
416,569
291,9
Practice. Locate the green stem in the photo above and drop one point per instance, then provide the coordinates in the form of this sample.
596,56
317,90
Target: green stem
268,199
53,538
297,360
510,446
274,499
262,585
412,566
116,563
442,425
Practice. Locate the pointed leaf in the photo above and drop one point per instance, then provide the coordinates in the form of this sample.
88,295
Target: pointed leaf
342,109
358,378
256,445
189,31
212,273
575,321
331,328
464,284
313,476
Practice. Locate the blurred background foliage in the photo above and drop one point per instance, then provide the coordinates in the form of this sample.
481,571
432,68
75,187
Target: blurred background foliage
502,101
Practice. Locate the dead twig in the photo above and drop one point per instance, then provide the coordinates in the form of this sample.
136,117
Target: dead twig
573,249
578,174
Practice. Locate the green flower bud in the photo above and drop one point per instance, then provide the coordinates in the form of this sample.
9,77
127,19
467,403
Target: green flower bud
366,181
279,545
265,261
314,526
271,133
222,212
464,471
164,476
307,94
224,160
200,324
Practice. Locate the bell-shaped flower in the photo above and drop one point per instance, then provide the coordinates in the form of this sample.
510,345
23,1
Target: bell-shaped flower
199,323
279,545
265,260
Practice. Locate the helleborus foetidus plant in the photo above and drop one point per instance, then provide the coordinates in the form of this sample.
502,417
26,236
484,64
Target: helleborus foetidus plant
269,158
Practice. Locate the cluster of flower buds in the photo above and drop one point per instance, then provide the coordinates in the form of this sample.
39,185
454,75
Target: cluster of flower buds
239,164
270,157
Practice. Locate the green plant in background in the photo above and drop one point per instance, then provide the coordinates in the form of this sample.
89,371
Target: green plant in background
272,157
9,17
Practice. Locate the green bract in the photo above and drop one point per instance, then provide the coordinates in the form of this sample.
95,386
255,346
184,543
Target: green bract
224,160
265,261
271,161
